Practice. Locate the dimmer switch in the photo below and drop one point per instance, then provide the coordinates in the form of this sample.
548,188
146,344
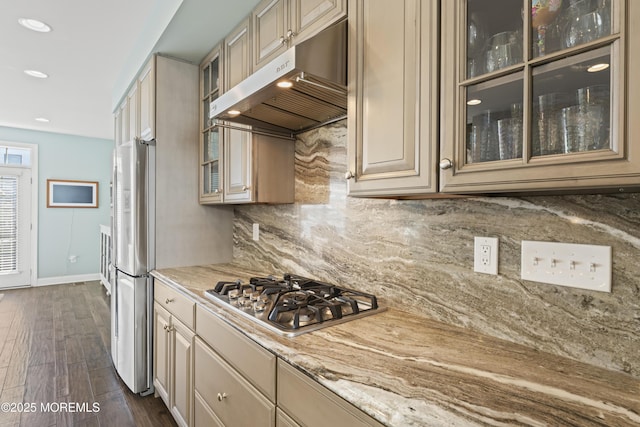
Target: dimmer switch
567,264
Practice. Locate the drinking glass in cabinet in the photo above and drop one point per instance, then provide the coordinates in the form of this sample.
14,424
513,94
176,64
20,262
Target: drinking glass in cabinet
494,35
206,80
494,120
211,145
205,113
572,104
561,24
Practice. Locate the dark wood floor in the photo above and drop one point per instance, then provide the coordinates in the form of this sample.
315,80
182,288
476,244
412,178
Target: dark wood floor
54,343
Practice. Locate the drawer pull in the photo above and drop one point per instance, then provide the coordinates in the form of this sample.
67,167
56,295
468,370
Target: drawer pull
168,300
222,396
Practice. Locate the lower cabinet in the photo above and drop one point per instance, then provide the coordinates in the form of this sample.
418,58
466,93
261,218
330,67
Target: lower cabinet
226,396
173,351
283,420
216,376
306,403
173,346
235,381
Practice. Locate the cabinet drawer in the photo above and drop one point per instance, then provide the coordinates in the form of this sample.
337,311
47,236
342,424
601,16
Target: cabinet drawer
310,404
231,397
254,362
203,415
176,303
283,420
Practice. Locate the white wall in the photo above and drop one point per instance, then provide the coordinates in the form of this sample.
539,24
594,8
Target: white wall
68,231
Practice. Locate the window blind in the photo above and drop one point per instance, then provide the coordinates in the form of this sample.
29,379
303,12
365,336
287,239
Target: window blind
8,224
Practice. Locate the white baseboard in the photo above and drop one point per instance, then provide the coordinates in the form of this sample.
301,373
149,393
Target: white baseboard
46,281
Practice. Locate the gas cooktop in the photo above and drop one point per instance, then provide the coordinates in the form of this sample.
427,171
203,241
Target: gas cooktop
293,305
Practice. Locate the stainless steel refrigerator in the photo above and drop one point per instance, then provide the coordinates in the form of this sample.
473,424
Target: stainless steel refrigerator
156,217
133,255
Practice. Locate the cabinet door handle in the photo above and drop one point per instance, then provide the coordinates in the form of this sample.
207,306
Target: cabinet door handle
168,300
349,175
217,190
446,164
245,188
290,34
283,40
222,396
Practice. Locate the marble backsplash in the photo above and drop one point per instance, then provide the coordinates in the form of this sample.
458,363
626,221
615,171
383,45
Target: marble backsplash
418,254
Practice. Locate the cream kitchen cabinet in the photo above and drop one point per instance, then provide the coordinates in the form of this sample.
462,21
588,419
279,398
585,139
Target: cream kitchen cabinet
117,126
139,106
539,101
236,165
237,55
304,402
235,381
280,24
133,112
173,351
121,121
393,101
258,168
147,110
211,182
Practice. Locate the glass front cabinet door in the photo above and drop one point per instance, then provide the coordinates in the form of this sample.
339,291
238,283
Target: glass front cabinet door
211,135
540,95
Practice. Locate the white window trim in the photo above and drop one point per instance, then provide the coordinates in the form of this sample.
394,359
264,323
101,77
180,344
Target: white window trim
34,202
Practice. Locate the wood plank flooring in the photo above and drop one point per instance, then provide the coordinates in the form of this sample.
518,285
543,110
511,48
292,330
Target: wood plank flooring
54,351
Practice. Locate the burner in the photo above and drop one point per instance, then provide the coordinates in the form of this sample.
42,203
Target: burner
294,304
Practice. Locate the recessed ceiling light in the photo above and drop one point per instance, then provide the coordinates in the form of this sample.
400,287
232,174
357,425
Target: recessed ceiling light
474,102
42,119
284,84
597,67
36,73
233,112
34,25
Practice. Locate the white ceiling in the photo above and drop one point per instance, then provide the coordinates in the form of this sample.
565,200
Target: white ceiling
94,51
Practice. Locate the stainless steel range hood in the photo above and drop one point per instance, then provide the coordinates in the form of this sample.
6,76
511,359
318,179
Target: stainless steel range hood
317,72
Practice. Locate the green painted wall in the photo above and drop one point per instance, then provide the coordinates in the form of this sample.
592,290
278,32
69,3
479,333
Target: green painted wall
68,231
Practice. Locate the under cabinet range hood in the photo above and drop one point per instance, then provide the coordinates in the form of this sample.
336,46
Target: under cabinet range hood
303,88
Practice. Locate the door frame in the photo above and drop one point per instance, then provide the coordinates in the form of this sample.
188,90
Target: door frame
33,278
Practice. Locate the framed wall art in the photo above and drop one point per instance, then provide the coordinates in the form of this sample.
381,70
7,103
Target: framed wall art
72,194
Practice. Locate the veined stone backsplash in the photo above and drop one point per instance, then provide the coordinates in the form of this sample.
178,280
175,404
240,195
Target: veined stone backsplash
417,255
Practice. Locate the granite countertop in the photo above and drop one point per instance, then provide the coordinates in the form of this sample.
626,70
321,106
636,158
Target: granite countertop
406,370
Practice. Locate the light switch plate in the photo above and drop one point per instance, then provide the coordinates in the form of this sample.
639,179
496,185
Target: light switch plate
256,231
566,264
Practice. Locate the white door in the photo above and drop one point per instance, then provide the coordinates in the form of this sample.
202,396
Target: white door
15,227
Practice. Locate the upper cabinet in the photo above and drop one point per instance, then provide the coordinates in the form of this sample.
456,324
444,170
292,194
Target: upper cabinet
537,98
236,165
210,147
280,24
146,87
393,98
133,113
237,55
135,118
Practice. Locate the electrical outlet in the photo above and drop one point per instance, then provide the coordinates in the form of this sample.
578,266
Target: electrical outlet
256,231
485,255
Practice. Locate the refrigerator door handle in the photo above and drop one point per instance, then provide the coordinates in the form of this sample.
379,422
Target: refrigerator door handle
114,296
146,142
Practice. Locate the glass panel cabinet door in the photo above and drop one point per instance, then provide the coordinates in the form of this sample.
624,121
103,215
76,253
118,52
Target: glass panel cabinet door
535,93
211,164
211,147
